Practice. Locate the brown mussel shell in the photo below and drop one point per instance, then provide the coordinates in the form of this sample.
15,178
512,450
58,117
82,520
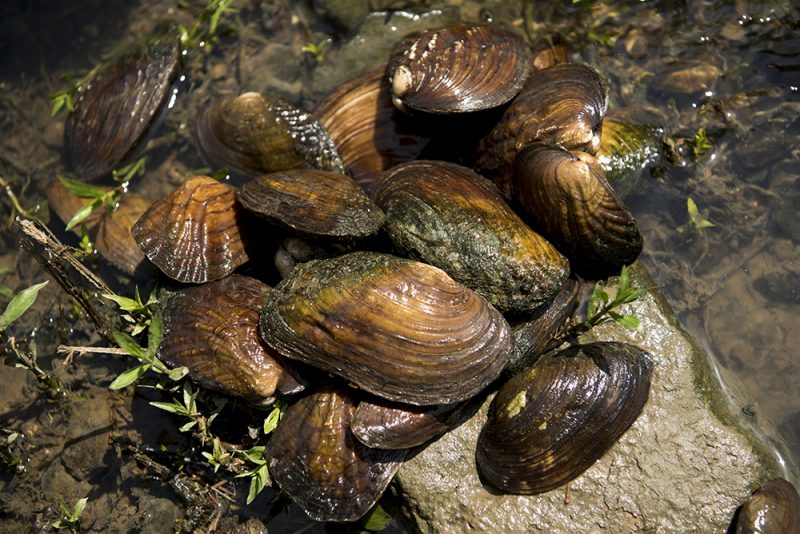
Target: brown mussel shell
563,104
195,234
451,217
212,329
312,203
113,238
318,462
385,425
115,109
369,132
548,424
568,198
254,134
460,68
397,328
773,509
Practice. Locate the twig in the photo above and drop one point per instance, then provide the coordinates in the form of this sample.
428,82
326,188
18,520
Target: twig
15,201
70,351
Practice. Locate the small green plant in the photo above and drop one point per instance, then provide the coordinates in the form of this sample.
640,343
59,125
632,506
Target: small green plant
698,220
259,474
70,520
218,456
701,144
19,304
376,519
8,457
316,49
204,30
602,307
146,356
138,312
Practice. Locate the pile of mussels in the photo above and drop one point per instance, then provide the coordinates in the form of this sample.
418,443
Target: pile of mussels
401,320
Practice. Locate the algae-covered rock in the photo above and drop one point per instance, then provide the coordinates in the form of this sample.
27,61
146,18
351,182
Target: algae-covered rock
684,465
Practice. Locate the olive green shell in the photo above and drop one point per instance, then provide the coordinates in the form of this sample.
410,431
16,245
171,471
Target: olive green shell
212,329
568,199
397,328
253,133
312,203
317,461
563,104
549,424
451,217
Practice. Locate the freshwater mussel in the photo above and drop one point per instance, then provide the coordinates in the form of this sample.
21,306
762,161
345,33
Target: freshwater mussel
115,109
548,424
196,233
397,328
773,509
459,68
253,133
451,217
212,329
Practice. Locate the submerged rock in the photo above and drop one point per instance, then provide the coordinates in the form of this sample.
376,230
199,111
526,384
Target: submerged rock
685,464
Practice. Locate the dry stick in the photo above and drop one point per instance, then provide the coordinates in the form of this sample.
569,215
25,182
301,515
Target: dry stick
74,277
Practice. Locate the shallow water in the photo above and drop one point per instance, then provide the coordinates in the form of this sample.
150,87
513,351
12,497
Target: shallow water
735,285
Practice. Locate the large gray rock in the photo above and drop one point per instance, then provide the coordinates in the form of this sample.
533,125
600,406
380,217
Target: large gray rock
684,466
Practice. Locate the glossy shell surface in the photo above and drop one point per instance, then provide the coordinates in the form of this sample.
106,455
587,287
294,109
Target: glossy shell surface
116,108
318,462
196,233
459,68
773,509
567,196
212,329
550,423
563,104
451,217
385,425
253,134
369,132
397,328
312,203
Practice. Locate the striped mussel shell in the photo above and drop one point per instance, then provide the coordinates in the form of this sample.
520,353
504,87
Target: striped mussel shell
774,508
548,424
397,328
316,460
195,234
459,68
212,330
569,200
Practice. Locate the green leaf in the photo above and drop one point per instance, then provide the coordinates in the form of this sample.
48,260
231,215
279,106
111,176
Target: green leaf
58,103
187,426
79,507
80,189
128,344
155,334
172,407
628,321
124,303
691,207
624,280
258,482
271,421
20,304
705,224
6,292
129,377
376,519
188,397
83,213
255,455
178,373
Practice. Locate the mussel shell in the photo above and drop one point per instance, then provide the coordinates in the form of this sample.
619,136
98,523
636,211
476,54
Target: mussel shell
385,425
318,462
563,104
459,68
773,509
113,238
212,329
369,132
195,234
549,424
451,217
567,196
532,337
312,203
400,329
630,142
115,109
253,134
